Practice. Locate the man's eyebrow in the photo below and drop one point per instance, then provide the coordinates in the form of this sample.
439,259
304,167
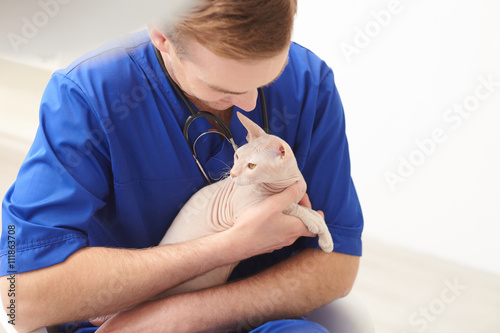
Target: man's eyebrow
242,93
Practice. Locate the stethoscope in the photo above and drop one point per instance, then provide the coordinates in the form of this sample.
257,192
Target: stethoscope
226,132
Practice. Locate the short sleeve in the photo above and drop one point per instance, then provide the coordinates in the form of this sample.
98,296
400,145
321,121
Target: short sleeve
326,167
61,184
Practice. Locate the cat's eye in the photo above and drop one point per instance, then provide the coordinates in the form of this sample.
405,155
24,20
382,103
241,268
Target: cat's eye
251,166
235,156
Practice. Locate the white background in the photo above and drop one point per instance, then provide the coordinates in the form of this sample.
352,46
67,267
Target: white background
397,89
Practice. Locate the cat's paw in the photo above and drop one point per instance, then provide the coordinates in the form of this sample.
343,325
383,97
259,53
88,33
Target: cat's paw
317,225
315,222
313,227
325,241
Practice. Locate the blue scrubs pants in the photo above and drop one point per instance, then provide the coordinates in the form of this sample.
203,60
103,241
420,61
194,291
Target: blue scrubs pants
290,326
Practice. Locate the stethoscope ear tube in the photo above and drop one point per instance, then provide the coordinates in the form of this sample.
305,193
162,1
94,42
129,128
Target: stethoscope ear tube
263,106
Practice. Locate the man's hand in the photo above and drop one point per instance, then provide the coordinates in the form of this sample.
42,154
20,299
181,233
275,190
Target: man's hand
263,227
99,321
305,201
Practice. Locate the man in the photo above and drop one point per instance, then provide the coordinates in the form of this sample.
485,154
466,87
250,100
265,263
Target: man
110,169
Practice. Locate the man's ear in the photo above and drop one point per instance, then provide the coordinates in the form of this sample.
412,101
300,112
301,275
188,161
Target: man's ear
157,38
254,130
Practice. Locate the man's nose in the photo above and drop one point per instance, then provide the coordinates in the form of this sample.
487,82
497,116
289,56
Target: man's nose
246,101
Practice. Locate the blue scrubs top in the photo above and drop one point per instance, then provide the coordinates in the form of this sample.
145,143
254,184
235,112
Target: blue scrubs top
110,167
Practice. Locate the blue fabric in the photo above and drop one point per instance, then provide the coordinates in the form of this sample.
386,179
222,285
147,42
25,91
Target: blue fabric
290,326
109,165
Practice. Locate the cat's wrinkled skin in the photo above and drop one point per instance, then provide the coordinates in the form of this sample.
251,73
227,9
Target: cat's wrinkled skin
264,166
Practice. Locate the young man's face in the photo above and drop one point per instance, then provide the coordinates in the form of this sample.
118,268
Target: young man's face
219,82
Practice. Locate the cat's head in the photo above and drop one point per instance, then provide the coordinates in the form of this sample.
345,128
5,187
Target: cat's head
264,159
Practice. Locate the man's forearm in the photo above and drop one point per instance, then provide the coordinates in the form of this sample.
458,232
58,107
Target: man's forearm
290,289
98,281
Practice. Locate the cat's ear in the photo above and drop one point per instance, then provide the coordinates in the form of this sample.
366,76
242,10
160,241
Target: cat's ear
254,130
277,148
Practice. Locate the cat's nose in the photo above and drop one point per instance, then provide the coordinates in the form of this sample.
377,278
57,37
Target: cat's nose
232,174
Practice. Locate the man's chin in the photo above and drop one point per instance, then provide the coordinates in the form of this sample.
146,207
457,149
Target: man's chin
220,106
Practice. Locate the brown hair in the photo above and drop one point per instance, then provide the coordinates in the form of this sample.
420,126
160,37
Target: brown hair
236,29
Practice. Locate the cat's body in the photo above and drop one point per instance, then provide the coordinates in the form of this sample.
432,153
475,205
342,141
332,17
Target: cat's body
263,167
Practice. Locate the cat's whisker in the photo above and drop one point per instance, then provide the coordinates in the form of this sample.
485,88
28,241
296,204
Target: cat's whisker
226,171
223,176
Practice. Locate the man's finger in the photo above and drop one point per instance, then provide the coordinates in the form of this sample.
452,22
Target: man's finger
305,201
291,194
100,320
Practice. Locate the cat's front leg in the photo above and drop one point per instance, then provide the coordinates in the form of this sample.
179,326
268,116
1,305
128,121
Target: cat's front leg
314,223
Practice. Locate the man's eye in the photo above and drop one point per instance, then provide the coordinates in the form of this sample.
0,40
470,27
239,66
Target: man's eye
251,166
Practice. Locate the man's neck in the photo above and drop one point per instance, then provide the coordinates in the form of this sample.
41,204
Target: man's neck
224,115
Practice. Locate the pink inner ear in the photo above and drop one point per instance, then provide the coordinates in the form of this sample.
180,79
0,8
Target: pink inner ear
282,151
276,147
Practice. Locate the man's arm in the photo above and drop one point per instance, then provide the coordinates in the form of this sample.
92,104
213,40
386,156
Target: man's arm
98,281
290,289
